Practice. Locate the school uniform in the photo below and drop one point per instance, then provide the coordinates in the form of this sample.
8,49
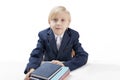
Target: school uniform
46,50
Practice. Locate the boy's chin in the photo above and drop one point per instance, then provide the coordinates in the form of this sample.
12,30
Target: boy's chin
59,33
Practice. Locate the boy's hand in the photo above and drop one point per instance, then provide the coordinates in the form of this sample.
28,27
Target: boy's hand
57,62
27,77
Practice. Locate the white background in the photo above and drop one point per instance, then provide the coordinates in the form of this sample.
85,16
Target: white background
97,21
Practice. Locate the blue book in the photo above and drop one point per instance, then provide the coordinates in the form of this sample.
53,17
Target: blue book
45,72
61,74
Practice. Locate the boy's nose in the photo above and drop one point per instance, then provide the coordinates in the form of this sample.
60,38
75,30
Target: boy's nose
58,22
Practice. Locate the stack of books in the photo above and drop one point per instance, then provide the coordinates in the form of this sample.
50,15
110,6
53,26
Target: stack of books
50,71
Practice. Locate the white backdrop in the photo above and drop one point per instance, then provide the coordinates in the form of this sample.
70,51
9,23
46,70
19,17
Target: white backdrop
97,21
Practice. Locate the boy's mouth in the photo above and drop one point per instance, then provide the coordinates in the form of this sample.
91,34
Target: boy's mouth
58,28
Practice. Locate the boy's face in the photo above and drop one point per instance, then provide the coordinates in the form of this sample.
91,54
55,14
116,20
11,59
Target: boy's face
59,23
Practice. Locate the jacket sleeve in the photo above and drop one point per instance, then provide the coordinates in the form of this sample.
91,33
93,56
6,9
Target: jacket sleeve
81,56
36,55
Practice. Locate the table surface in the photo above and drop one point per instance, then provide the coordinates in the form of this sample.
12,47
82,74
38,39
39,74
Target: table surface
96,72
91,71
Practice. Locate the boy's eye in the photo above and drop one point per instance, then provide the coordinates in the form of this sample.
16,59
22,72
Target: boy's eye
55,20
62,20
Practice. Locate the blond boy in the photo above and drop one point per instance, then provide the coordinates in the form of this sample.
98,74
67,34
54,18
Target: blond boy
49,48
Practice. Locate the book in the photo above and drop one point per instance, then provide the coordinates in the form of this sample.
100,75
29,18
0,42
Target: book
62,74
45,72
33,78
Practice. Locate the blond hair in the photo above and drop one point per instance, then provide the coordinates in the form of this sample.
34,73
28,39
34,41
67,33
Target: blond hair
57,10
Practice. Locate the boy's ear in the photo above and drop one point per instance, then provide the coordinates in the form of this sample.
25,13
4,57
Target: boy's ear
48,22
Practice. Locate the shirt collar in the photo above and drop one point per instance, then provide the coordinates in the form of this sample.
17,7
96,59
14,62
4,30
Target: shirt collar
59,35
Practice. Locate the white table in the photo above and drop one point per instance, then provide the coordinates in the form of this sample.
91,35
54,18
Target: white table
96,71
91,71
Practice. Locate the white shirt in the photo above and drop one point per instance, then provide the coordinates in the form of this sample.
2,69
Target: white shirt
58,40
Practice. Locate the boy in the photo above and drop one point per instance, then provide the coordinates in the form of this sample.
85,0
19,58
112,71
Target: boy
56,44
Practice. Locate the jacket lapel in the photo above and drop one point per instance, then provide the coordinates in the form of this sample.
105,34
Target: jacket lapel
51,40
65,40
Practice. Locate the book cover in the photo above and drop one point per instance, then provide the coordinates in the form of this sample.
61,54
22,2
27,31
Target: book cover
46,71
62,74
64,77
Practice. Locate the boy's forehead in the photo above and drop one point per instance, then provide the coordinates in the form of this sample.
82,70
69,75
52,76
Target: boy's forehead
60,15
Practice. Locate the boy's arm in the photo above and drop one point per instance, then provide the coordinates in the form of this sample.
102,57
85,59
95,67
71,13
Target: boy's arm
80,56
36,56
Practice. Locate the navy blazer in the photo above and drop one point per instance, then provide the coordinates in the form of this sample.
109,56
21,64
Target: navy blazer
46,50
